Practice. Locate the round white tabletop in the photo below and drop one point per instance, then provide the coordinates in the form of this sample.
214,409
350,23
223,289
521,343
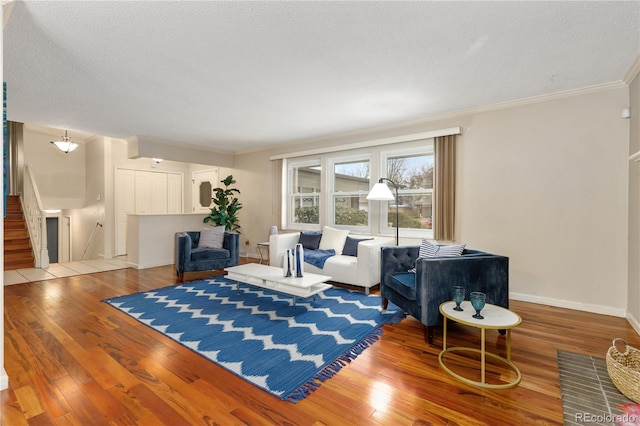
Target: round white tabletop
495,317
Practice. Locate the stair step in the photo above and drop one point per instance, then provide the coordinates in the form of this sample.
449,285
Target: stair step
11,234
14,246
17,245
10,266
14,224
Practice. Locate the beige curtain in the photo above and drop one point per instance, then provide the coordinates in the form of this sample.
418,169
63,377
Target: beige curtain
444,188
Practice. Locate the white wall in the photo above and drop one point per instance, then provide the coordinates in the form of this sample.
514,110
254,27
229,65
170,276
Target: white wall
60,177
633,293
543,182
4,379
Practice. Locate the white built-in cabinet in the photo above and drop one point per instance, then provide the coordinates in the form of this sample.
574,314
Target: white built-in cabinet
145,192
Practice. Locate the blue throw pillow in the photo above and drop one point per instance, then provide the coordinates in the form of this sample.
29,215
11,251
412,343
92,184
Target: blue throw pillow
310,240
351,246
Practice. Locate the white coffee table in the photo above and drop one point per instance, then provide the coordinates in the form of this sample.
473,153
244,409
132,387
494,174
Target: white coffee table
495,318
273,278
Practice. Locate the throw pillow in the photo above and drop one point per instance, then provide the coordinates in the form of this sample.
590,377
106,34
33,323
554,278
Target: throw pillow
427,249
333,239
310,240
451,250
431,250
211,237
351,246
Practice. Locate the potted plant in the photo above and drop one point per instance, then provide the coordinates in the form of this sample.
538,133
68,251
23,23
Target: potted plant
226,206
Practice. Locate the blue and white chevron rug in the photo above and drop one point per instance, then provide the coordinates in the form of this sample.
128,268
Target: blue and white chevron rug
259,335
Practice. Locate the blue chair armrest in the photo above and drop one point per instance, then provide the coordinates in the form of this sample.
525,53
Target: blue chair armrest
487,273
183,250
231,242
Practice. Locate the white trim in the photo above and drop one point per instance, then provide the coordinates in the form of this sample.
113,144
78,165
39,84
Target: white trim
635,157
371,143
4,380
596,309
634,322
633,71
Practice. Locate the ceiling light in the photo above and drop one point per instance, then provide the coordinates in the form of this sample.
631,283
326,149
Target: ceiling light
158,160
65,145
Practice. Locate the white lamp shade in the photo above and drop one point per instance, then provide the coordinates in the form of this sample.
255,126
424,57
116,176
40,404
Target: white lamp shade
65,146
381,192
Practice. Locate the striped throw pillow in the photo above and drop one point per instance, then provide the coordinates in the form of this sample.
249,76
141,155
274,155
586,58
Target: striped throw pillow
432,250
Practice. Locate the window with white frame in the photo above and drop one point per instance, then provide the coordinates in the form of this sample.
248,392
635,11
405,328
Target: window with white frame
331,189
349,188
304,193
412,171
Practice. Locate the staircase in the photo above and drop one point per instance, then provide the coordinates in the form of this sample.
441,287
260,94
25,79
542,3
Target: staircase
17,246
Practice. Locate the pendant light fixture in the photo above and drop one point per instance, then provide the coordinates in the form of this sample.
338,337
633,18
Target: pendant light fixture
65,145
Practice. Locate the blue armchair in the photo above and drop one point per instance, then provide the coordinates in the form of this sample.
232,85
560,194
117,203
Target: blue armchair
421,293
190,258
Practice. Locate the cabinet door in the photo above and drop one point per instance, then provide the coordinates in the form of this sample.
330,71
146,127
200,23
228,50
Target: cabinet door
158,193
202,193
143,191
125,204
175,200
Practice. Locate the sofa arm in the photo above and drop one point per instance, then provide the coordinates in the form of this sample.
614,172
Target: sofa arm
231,242
369,260
183,250
278,243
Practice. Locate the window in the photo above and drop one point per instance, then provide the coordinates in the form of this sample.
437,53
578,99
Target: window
304,192
413,172
331,189
350,186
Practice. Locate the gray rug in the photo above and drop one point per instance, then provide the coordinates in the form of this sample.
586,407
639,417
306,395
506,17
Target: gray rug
588,396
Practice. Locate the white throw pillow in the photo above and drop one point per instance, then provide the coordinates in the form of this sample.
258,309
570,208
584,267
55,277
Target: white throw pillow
333,239
211,237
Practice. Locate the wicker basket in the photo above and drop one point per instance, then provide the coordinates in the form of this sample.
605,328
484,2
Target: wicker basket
624,369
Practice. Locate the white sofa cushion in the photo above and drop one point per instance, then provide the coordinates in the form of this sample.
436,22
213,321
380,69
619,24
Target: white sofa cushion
333,239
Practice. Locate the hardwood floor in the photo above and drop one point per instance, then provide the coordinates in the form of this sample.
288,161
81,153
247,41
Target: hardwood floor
72,359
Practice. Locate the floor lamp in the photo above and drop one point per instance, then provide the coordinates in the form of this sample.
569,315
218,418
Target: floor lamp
381,192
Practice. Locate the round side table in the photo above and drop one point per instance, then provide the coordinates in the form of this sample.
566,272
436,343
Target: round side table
495,318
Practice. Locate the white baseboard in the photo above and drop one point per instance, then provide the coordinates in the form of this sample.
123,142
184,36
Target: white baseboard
4,380
150,265
596,309
634,322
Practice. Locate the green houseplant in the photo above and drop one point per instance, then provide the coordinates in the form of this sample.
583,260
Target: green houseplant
226,206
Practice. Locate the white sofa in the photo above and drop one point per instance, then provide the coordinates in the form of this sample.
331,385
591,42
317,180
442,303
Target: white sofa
363,270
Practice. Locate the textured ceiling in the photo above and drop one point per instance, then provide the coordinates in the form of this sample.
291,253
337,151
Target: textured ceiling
241,75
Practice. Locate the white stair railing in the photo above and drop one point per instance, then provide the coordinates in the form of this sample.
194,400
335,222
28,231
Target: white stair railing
35,218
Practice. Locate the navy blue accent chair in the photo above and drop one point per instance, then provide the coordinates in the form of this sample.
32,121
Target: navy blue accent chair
191,258
421,294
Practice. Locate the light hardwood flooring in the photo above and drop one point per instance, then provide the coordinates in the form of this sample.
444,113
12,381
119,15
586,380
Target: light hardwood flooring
73,360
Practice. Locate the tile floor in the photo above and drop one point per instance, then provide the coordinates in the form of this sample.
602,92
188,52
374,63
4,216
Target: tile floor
58,270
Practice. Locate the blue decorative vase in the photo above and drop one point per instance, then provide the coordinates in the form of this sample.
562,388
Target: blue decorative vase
288,263
299,260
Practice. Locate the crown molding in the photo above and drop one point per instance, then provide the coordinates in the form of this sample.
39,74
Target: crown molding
371,143
531,100
633,71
